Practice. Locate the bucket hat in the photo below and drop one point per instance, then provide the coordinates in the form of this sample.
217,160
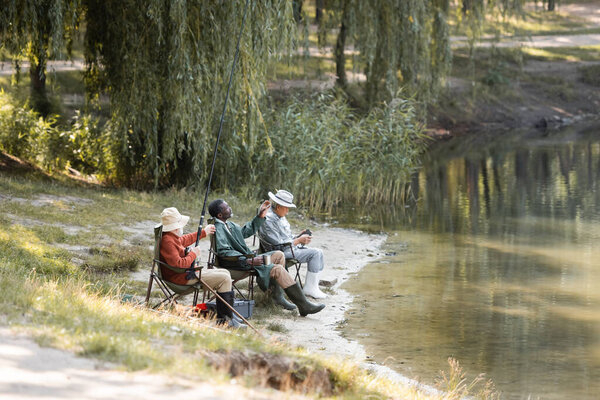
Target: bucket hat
283,198
171,219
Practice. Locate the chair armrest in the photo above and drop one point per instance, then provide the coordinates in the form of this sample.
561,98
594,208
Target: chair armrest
273,247
177,269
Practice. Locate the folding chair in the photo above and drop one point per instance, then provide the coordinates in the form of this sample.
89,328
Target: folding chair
171,291
214,261
264,247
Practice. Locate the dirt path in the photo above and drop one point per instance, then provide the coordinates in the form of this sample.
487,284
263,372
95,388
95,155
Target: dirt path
28,371
587,11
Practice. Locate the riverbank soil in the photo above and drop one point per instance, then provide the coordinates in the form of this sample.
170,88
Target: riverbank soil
539,81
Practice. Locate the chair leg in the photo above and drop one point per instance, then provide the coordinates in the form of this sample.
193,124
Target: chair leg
237,289
169,295
195,298
149,288
298,278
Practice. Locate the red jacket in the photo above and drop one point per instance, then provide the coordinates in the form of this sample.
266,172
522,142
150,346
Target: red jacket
172,252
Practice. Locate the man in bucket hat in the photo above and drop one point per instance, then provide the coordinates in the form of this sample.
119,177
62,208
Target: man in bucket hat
173,253
276,231
236,256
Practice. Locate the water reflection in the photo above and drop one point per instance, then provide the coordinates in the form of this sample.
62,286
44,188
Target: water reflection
496,265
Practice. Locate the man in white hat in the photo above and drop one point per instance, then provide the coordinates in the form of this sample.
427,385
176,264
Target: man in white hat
235,255
173,252
276,231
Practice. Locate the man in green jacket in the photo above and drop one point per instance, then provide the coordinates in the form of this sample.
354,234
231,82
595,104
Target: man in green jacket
234,254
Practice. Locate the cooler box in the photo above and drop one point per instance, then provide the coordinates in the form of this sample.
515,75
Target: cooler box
244,307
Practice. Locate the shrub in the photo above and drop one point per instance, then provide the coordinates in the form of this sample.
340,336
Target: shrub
20,128
84,145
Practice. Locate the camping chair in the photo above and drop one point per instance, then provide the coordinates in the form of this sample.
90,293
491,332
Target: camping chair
265,247
214,261
171,291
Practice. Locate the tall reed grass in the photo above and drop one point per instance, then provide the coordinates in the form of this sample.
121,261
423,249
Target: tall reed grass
328,154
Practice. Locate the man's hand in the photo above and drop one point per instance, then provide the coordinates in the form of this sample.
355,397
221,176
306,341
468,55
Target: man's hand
255,261
196,250
305,239
264,207
302,239
210,229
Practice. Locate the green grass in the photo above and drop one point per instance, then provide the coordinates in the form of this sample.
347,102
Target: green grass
590,74
300,67
528,23
572,54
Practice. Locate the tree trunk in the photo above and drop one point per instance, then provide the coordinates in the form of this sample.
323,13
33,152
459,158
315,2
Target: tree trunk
551,5
297,7
319,12
340,46
37,76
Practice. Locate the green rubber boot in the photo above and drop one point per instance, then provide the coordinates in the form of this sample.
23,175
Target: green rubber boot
297,296
278,297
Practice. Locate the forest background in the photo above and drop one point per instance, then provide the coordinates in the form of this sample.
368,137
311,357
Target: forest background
367,80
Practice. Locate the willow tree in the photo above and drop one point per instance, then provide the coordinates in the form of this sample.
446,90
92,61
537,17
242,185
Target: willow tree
401,43
38,30
165,65
404,43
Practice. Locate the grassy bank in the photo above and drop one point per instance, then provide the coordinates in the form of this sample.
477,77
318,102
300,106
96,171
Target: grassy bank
64,268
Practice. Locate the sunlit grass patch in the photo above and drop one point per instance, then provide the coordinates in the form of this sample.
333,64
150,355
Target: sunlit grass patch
301,67
116,258
574,54
23,250
529,22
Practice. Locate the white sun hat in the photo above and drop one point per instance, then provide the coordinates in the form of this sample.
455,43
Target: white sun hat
171,219
283,198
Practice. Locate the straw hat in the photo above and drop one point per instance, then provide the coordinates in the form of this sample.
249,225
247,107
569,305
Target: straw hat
171,219
283,198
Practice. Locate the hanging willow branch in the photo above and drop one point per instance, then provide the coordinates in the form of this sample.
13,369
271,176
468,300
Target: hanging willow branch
164,64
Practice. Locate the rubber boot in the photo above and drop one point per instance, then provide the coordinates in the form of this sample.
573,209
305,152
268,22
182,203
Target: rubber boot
311,286
278,297
297,296
224,313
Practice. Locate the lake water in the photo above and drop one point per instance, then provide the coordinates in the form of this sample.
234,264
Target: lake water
497,264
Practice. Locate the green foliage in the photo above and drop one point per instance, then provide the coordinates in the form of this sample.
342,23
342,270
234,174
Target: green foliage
495,77
165,65
25,134
20,128
327,154
38,30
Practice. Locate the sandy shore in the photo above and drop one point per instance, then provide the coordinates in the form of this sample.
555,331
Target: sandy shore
28,371
345,252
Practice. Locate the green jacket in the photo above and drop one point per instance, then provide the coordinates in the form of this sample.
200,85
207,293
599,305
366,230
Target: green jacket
230,243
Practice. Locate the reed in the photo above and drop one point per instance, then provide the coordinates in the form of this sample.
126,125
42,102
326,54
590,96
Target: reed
328,154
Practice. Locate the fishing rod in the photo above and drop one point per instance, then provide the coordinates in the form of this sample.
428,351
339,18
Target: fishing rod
212,167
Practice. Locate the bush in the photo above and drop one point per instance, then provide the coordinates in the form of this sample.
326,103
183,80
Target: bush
20,128
84,145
